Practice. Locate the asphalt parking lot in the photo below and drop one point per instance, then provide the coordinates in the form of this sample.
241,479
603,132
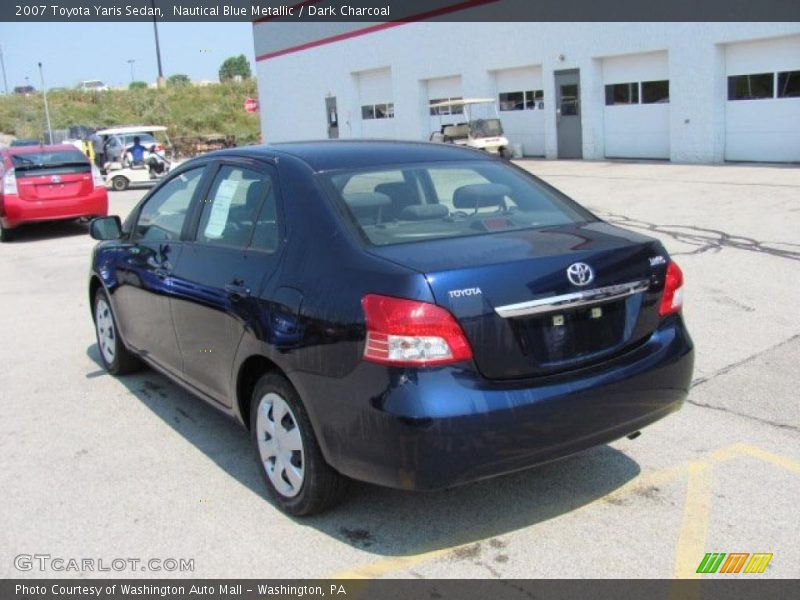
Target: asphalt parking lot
104,468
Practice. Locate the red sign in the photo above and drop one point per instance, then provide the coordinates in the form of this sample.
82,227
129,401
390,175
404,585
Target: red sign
251,105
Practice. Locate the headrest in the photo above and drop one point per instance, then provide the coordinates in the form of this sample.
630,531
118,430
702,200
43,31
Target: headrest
480,195
366,199
424,212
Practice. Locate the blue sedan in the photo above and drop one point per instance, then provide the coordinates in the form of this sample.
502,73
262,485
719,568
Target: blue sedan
412,315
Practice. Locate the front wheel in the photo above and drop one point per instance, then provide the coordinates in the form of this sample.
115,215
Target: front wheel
117,359
294,470
119,183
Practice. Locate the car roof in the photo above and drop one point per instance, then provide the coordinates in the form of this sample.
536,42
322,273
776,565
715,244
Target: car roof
328,155
41,148
131,129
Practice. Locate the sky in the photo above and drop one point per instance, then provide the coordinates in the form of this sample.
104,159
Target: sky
73,52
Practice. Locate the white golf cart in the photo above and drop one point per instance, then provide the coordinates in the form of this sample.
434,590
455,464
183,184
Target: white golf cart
482,128
120,170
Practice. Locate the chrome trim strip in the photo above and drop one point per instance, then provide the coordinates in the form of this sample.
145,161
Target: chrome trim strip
573,300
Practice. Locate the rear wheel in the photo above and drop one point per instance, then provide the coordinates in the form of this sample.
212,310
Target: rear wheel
6,235
117,359
296,474
119,183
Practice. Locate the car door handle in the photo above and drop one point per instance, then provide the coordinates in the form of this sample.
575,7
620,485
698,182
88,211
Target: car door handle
237,291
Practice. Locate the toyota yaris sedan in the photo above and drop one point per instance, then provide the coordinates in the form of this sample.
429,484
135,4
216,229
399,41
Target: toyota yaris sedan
413,315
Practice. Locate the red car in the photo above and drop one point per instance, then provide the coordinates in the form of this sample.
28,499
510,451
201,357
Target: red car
48,183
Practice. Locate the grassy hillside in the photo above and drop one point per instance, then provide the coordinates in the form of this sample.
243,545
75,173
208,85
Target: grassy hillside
185,110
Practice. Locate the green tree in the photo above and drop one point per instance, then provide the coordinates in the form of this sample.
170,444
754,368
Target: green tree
178,80
137,85
233,66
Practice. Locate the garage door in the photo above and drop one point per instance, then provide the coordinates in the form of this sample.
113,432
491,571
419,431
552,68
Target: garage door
377,103
521,101
762,109
636,112
439,90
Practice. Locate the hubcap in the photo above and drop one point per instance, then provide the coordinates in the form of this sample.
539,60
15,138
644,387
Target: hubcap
280,444
106,336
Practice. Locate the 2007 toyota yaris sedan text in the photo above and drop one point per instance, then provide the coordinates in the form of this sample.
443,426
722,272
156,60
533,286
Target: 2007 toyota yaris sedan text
412,315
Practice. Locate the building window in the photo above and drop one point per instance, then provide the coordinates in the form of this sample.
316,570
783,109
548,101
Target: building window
655,92
622,93
528,100
445,110
534,99
512,100
789,84
383,110
751,87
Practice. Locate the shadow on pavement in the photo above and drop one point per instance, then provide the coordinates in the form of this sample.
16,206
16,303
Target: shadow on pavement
36,232
391,522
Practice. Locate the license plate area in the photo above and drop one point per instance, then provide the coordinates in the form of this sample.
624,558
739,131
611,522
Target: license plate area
579,333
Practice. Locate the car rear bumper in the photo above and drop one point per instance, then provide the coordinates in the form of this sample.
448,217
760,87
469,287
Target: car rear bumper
436,428
16,211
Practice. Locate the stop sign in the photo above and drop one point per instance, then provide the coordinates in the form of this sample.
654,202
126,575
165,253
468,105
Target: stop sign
251,105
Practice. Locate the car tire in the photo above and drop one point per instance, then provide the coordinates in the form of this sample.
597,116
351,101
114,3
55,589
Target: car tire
6,235
119,183
116,358
297,477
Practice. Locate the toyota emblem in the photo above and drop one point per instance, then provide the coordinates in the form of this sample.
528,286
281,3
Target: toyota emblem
580,274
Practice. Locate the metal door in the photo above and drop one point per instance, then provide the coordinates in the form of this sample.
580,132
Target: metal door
568,114
333,117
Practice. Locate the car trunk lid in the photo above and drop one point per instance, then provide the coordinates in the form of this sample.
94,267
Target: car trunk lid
44,182
519,309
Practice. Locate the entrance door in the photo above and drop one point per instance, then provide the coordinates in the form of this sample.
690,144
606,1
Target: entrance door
568,114
333,117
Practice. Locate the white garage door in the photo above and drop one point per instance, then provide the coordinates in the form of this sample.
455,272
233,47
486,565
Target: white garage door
636,112
762,110
440,90
521,101
377,103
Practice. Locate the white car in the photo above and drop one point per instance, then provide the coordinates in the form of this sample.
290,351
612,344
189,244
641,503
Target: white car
92,85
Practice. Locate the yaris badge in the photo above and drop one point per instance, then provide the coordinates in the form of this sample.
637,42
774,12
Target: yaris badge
580,274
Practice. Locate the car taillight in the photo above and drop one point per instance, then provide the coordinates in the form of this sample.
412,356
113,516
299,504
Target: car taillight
10,183
410,333
672,300
97,177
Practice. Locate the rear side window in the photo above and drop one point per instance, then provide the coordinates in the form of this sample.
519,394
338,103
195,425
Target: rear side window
426,202
163,215
240,207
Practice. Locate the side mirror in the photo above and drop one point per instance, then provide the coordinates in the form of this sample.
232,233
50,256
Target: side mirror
106,228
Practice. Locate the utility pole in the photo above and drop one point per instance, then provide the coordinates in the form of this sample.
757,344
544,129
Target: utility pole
46,109
158,47
130,62
3,64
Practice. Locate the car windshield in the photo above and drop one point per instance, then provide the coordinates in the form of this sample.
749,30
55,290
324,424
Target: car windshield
481,128
45,159
412,203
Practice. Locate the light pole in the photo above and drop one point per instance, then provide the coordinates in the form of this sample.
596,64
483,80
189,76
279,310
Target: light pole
130,62
160,81
46,109
3,64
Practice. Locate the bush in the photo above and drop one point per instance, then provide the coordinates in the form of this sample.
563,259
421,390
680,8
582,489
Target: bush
138,85
179,80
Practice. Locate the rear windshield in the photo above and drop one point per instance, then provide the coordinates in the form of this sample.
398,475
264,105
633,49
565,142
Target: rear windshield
433,201
44,159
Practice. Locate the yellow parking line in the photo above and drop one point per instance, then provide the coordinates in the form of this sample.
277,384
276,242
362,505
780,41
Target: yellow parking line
694,525
776,459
